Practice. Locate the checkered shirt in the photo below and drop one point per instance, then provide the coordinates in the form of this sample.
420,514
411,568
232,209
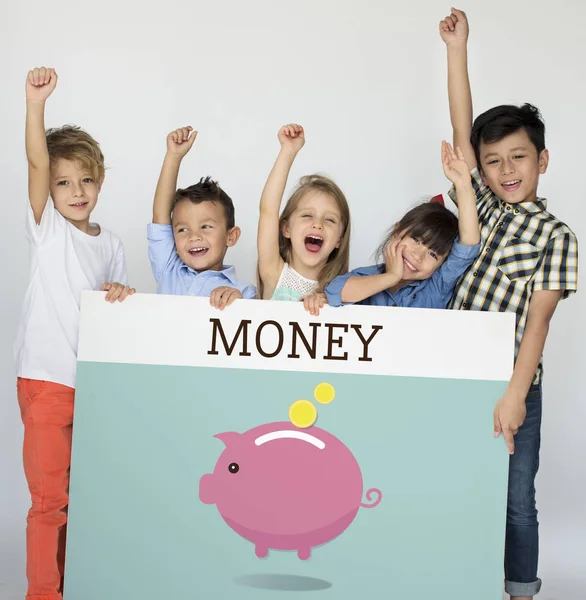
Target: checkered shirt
524,248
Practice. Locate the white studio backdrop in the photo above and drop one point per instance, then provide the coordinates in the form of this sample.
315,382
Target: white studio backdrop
367,80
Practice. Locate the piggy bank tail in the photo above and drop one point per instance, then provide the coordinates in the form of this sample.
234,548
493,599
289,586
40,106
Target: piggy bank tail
369,494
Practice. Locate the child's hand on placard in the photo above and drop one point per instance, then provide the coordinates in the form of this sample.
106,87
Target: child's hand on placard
454,28
224,296
180,141
292,137
116,291
40,83
456,168
314,303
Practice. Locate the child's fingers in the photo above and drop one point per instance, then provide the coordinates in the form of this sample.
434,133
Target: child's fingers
459,153
459,15
214,298
111,291
115,292
192,139
233,296
510,439
128,291
225,298
451,22
496,424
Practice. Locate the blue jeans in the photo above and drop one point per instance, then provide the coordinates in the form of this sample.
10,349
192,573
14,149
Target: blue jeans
522,540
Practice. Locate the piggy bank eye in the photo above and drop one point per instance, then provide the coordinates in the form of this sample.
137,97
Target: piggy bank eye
233,467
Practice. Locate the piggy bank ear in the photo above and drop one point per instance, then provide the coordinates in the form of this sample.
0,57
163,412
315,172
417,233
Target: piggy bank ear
227,437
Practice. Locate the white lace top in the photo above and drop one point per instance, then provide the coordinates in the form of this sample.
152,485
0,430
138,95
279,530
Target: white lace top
292,286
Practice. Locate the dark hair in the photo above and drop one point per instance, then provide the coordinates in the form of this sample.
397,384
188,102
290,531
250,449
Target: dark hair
498,122
208,191
432,223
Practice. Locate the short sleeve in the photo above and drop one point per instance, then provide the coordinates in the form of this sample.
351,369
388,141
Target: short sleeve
559,267
52,224
482,192
162,251
118,270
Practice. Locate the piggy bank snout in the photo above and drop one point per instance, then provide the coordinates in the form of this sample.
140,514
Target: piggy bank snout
207,489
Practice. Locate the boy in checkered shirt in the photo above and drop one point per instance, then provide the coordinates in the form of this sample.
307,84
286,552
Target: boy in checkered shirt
528,263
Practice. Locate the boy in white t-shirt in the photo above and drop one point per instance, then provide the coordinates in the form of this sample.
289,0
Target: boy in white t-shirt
68,254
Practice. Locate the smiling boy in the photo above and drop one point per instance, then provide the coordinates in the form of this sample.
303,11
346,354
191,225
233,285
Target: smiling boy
528,263
191,232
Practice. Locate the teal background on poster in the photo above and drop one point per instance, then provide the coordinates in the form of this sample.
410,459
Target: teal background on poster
143,437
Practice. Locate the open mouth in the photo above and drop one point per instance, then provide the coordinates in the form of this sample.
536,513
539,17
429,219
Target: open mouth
313,243
409,266
198,251
511,186
79,205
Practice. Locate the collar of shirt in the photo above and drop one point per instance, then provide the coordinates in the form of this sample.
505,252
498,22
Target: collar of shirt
539,205
229,272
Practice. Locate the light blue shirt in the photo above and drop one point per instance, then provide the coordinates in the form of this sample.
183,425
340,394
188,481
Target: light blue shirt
174,277
434,292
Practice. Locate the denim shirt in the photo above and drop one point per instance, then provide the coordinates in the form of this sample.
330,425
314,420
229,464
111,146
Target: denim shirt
434,292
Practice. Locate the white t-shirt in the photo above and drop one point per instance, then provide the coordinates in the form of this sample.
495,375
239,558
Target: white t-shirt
64,262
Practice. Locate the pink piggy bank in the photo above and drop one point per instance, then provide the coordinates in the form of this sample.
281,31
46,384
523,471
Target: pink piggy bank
286,488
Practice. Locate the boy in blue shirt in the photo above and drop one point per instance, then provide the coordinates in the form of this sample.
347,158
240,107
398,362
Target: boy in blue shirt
191,232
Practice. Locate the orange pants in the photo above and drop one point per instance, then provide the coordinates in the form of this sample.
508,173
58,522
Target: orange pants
47,414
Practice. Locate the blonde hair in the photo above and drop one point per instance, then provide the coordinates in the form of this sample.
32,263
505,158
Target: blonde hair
73,143
339,259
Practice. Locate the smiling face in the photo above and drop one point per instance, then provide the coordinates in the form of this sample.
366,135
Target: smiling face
74,191
201,235
511,167
315,230
419,260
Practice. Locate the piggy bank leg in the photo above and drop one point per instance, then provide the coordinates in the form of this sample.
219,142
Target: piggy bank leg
261,550
304,553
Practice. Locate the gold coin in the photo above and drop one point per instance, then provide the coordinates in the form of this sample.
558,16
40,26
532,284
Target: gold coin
324,393
302,413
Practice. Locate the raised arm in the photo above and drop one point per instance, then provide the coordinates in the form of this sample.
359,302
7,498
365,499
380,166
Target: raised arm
457,171
179,143
454,32
270,263
40,83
